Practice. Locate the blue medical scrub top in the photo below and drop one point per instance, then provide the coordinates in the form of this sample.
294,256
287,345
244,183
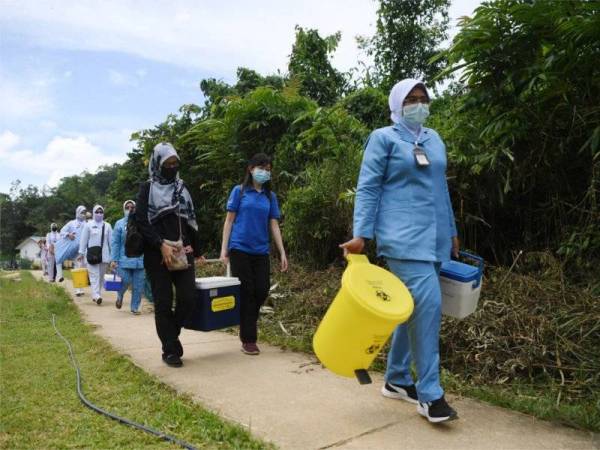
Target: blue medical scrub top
254,210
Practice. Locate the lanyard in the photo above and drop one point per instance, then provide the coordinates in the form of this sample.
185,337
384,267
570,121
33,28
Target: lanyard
417,135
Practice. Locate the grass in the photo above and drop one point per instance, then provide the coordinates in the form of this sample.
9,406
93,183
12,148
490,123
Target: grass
303,296
39,407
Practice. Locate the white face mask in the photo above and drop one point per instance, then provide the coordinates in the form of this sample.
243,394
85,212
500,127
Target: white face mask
261,176
416,113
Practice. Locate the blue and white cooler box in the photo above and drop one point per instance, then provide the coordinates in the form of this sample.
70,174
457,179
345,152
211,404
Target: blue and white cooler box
217,304
112,282
461,286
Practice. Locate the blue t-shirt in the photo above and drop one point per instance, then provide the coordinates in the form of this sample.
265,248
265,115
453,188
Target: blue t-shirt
254,210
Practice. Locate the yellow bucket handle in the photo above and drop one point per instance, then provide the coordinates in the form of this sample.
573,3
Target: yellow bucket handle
355,258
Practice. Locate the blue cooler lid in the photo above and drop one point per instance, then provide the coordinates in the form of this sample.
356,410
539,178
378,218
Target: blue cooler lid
458,271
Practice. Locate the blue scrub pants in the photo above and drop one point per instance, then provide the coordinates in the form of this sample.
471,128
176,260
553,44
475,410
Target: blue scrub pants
135,278
418,339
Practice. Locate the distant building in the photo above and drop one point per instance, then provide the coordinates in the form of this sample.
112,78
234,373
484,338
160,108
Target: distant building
30,249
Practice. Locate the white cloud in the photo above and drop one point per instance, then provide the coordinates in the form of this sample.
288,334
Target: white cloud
120,79
63,156
48,125
24,99
189,33
8,140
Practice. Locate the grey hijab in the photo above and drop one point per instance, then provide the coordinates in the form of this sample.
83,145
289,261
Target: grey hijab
167,197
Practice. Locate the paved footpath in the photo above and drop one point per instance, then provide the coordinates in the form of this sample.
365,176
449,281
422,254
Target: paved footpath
287,398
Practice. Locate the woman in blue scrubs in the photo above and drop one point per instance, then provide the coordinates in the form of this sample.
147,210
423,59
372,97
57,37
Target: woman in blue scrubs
402,201
252,216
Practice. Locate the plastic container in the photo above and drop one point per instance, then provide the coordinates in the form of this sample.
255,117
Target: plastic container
80,278
371,303
217,304
112,282
461,286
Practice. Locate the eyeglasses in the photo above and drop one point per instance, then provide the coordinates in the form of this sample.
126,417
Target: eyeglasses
416,99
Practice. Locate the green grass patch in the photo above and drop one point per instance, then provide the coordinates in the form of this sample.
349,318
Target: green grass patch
39,406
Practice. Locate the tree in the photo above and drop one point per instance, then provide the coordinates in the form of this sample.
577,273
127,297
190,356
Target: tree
408,34
310,64
524,129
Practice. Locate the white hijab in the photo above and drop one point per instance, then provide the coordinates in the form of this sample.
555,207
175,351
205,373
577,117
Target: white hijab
127,202
94,213
399,93
78,211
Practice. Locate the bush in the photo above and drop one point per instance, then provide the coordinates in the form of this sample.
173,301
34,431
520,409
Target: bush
369,105
24,263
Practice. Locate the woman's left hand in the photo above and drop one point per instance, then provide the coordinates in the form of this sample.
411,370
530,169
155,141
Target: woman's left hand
455,246
284,262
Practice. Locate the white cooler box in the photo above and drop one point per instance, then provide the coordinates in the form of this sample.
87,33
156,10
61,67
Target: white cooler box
461,286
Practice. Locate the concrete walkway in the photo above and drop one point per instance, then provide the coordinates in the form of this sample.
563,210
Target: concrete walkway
288,399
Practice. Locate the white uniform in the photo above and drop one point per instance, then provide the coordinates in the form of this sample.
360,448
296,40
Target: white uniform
51,240
72,226
92,237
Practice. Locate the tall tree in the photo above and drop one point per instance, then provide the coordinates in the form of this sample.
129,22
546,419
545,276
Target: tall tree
310,64
408,35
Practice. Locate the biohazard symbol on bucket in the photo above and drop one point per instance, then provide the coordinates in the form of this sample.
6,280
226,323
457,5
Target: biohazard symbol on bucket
372,349
382,295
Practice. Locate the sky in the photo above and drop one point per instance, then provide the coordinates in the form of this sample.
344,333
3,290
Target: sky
77,77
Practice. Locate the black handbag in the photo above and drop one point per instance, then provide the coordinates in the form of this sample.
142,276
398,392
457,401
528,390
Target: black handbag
134,240
94,254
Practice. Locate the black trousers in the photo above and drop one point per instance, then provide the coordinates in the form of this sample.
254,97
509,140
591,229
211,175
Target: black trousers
168,320
254,274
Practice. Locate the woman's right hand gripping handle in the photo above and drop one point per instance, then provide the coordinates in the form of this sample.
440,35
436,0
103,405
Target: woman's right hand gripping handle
354,245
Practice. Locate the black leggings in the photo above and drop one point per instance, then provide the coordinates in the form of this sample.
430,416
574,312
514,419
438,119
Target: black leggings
254,274
169,322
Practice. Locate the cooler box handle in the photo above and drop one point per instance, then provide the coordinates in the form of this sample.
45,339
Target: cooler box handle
480,264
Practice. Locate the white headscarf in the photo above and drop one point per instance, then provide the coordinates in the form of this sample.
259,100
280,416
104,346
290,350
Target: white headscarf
80,209
166,196
126,203
399,93
94,212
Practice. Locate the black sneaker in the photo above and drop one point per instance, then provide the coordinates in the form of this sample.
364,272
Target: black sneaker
437,411
172,360
399,392
61,279
178,348
119,303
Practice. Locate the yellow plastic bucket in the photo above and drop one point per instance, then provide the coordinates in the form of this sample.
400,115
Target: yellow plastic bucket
361,318
80,278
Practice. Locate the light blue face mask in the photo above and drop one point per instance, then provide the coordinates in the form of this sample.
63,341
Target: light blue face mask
416,113
261,176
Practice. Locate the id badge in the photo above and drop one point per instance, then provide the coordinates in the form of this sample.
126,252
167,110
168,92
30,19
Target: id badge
420,157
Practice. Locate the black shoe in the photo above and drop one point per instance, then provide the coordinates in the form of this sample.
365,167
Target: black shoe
61,279
178,348
172,360
119,303
400,392
79,294
437,411
99,301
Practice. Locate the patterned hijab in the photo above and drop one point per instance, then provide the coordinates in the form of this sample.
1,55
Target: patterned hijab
168,197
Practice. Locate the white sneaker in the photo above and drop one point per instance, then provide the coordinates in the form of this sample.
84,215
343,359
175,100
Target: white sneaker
437,411
397,392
